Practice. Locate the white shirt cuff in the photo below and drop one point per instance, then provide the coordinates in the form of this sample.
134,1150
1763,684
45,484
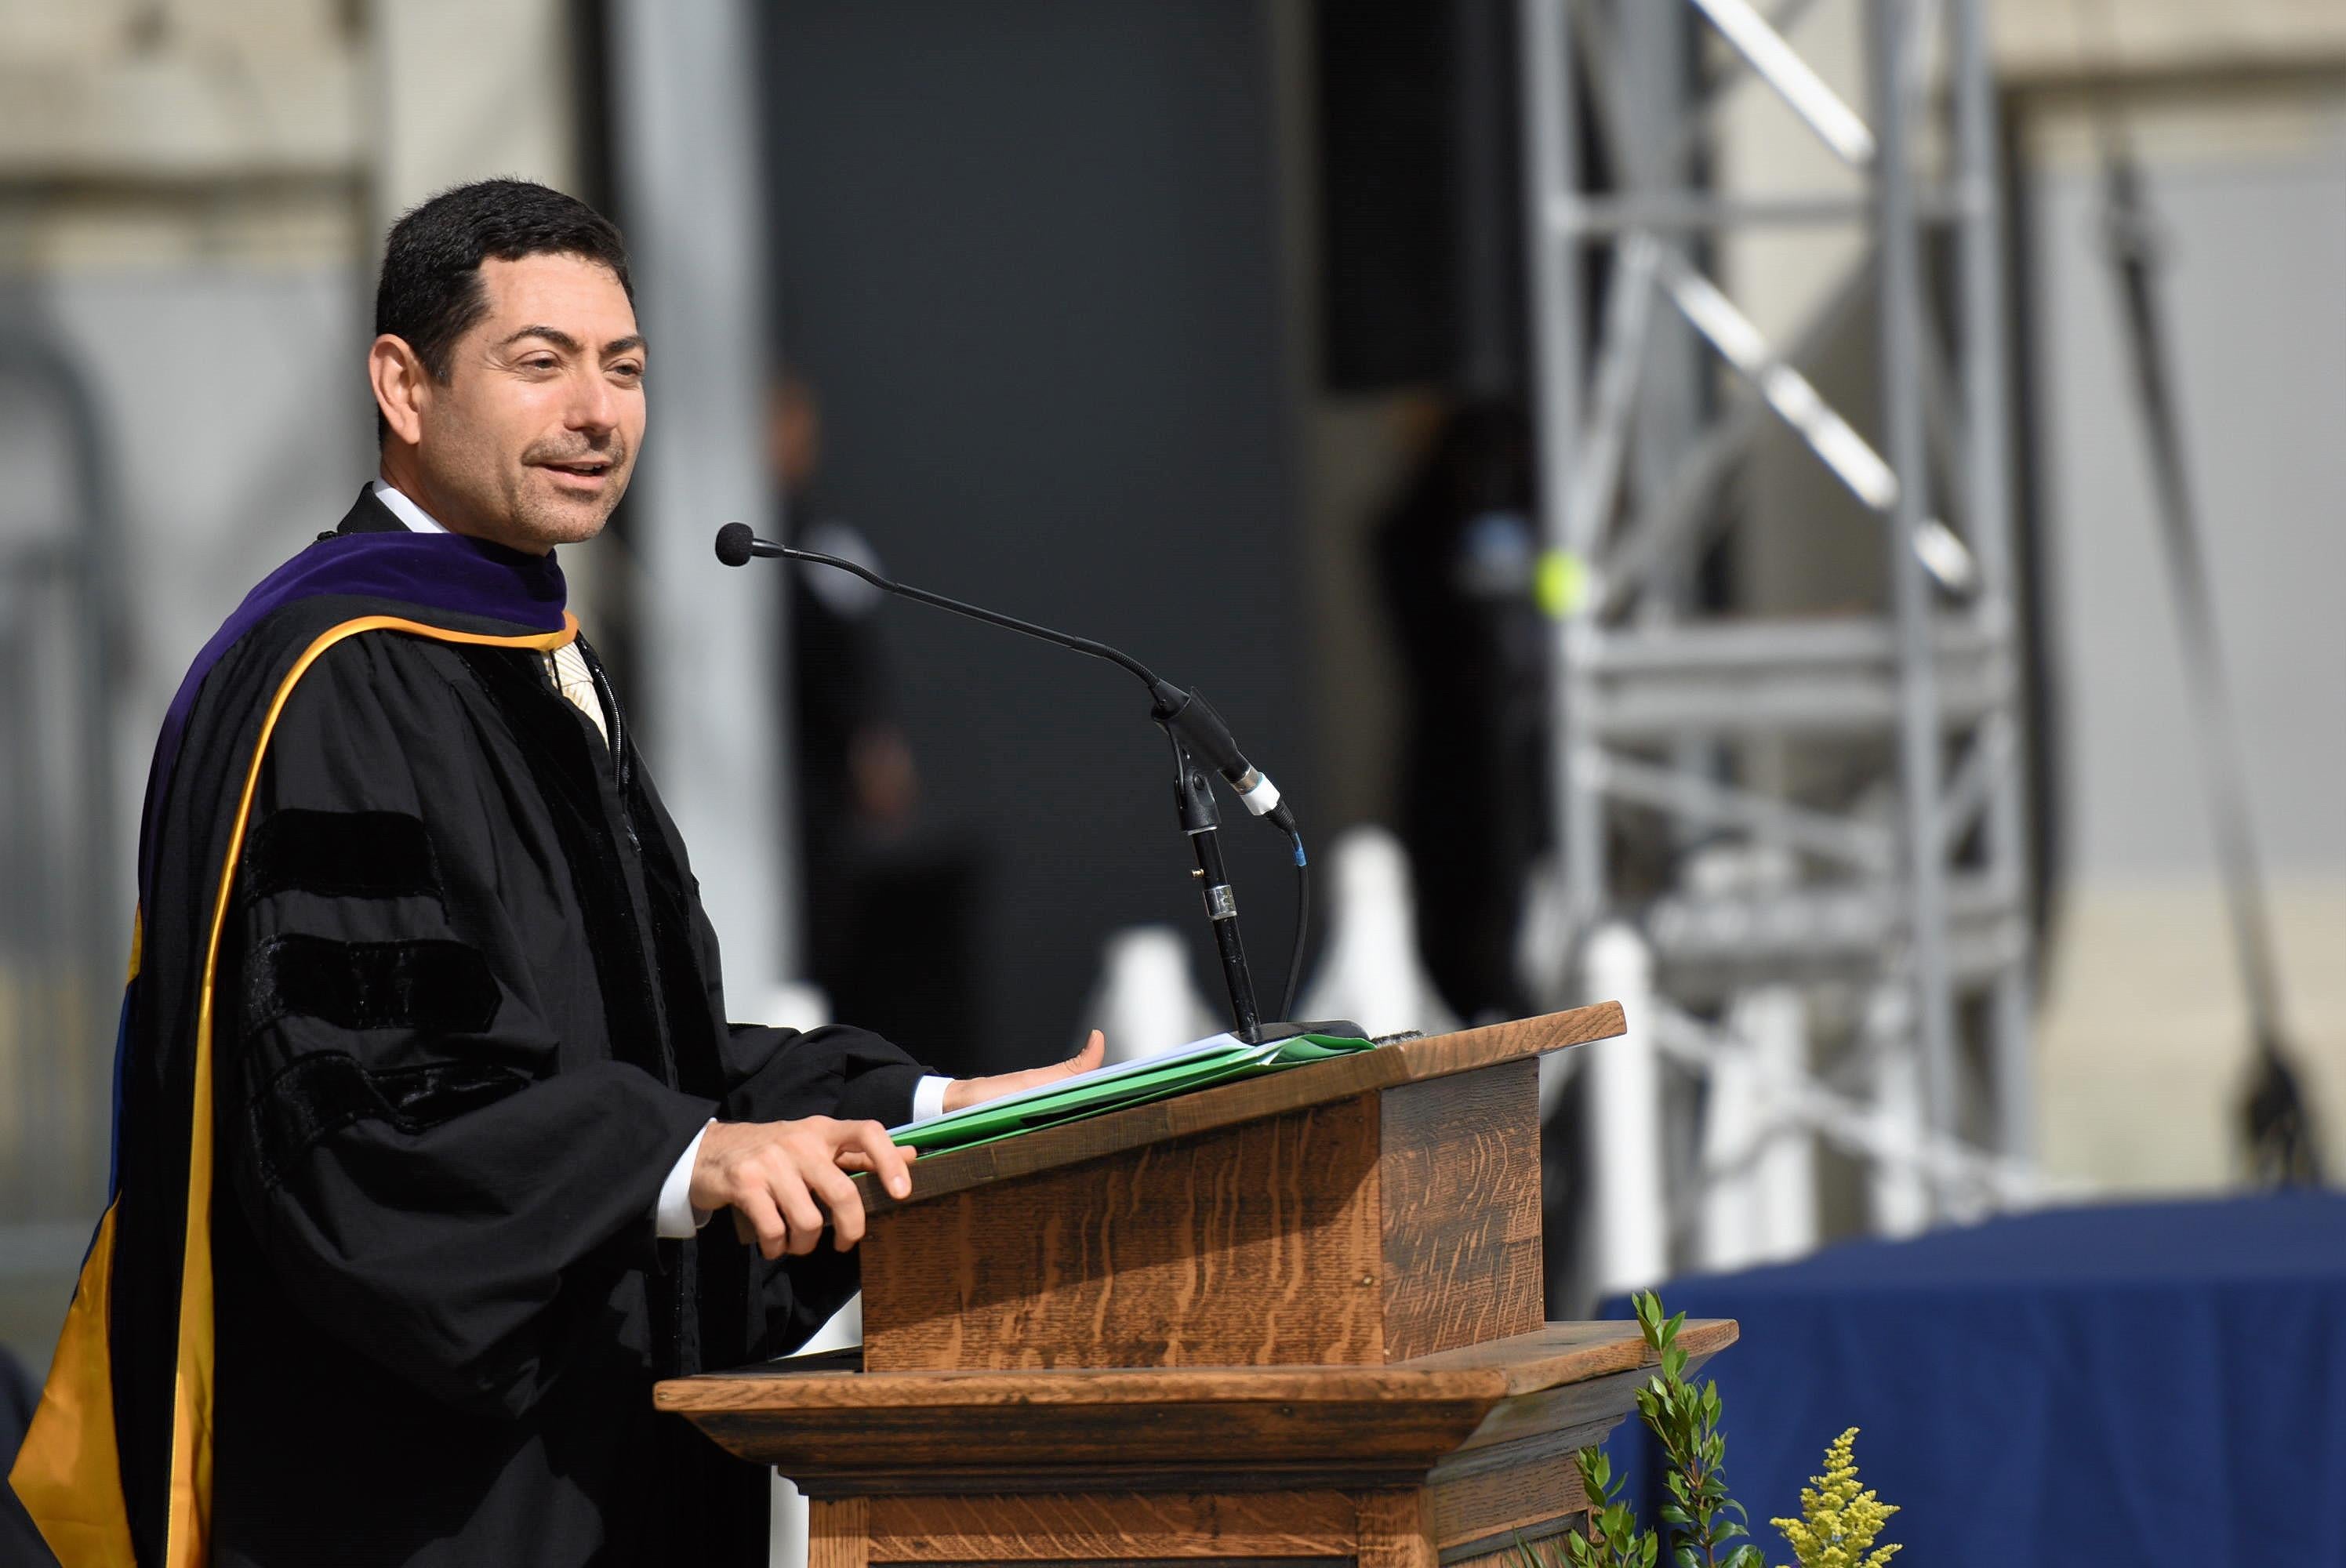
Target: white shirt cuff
929,1097
675,1218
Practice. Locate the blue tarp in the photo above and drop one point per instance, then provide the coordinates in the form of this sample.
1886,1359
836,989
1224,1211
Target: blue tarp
2152,1384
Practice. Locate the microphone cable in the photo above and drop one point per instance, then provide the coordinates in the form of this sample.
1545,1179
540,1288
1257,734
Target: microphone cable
1302,924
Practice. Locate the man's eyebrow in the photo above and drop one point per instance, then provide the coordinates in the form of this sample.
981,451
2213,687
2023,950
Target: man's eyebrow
570,345
554,335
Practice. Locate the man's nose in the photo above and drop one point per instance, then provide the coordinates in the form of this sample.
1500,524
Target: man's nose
593,406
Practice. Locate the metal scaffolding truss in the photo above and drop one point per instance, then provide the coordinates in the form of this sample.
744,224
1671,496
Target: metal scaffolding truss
1884,922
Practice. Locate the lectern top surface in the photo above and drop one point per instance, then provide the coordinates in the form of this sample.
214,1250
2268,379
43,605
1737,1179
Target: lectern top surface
1340,1078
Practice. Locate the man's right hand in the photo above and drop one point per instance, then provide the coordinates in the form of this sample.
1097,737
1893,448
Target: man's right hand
779,1178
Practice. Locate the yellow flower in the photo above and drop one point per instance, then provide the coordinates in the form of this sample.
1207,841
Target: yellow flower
1838,1522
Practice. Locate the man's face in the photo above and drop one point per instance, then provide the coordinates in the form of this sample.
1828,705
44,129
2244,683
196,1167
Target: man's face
531,440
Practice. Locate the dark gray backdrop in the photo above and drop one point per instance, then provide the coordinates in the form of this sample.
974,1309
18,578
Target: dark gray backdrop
1029,257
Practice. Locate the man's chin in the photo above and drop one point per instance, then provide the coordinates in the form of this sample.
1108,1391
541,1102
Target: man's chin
565,521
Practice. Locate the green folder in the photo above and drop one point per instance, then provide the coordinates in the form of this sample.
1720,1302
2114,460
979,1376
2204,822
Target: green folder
1222,1059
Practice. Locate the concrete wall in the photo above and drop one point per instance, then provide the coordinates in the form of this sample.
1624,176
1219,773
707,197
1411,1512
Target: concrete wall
2144,1043
190,195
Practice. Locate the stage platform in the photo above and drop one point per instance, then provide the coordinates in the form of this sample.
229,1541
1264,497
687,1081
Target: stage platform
2146,1384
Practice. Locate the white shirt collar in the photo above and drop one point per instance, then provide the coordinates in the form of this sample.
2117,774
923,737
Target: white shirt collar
418,520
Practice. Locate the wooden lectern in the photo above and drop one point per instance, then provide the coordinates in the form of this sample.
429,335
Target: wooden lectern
1294,1320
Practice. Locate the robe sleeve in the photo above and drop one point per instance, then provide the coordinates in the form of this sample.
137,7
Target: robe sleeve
775,1075
834,1071
852,1073
424,1170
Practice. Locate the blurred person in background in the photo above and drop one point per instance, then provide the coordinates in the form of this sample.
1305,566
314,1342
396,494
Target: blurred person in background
425,1087
892,899
1458,556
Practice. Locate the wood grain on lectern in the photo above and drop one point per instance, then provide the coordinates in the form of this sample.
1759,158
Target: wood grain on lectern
838,1534
1167,1524
1362,1211
1252,1245
1392,1530
1460,1199
1489,1506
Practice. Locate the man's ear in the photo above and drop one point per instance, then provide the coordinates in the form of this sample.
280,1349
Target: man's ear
401,386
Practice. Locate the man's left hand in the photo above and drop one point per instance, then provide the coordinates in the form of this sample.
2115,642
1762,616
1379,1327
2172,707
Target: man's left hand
964,1092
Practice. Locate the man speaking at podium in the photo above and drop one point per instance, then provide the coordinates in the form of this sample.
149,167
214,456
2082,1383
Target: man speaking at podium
424,1085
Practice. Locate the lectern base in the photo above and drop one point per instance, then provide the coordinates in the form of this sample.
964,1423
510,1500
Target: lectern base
1444,1460
1289,1529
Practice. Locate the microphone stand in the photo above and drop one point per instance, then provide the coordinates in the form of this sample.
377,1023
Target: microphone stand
1177,713
1201,820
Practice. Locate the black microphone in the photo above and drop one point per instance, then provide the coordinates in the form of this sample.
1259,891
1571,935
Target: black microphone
736,545
1185,713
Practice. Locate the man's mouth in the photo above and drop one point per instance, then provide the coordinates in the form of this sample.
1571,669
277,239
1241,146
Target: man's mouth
582,468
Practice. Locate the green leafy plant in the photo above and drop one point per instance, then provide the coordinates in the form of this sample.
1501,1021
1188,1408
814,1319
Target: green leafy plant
1838,1522
1704,1520
1707,1528
1685,1420
1617,1541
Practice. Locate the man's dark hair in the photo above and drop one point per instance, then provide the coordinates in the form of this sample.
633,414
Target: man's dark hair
430,293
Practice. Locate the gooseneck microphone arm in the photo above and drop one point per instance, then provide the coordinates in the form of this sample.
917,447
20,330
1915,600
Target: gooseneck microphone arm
1184,713
748,544
1195,730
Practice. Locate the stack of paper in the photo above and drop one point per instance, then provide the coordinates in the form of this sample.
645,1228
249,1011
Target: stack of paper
1221,1059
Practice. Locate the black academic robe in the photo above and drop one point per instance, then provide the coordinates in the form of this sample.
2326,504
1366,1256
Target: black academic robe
464,1013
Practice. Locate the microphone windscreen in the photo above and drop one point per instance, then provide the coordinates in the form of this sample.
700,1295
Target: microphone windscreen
733,543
